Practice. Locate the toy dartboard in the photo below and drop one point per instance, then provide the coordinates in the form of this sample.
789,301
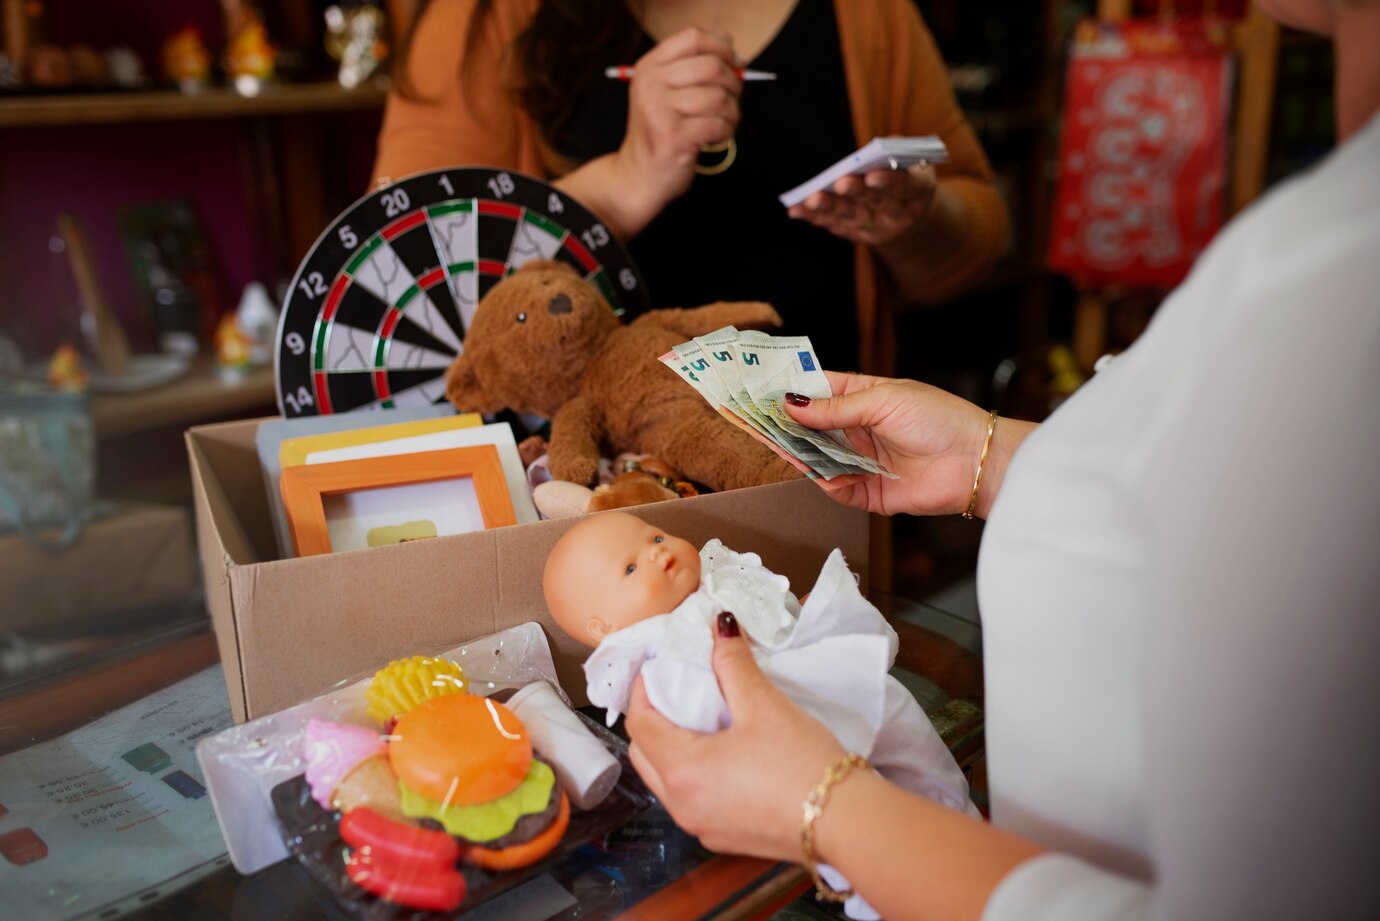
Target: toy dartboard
379,308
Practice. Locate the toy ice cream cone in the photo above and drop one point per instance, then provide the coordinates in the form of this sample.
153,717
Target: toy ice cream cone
345,768
370,783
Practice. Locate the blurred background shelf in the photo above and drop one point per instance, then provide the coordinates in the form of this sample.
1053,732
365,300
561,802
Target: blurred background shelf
202,394
172,105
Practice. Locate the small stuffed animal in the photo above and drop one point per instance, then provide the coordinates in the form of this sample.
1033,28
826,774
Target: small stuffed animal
545,341
641,479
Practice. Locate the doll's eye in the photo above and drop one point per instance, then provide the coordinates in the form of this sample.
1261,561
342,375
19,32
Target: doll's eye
522,318
658,539
631,568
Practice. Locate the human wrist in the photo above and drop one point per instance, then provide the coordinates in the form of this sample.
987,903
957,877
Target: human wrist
981,452
603,186
1007,437
848,805
941,225
637,187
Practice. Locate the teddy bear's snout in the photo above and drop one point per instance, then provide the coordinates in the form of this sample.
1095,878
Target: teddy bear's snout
560,304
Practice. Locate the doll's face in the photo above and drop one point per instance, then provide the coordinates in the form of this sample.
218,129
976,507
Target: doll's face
612,570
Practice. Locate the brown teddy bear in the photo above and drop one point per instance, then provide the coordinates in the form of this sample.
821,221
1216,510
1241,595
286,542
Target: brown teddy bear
545,341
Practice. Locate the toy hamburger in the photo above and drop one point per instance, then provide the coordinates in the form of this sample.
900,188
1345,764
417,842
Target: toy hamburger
467,762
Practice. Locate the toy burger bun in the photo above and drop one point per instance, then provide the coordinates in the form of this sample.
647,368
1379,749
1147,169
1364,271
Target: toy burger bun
467,762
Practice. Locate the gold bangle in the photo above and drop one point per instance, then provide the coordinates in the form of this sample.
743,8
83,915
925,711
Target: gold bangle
811,810
728,148
982,462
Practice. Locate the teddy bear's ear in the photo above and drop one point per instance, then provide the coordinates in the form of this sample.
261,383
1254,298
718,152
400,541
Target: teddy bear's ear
550,265
465,391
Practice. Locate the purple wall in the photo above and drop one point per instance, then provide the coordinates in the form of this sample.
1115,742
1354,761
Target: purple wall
95,173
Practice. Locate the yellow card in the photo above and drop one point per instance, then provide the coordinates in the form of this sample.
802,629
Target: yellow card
293,452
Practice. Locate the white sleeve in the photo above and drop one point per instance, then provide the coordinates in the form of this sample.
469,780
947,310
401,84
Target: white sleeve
1056,887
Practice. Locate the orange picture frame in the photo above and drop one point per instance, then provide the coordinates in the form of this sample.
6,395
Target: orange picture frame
305,488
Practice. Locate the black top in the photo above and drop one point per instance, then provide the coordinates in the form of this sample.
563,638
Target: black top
729,238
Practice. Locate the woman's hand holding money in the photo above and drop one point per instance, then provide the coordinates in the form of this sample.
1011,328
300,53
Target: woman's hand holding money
931,438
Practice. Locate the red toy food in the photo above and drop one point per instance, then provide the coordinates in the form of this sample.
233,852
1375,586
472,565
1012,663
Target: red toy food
369,832
416,885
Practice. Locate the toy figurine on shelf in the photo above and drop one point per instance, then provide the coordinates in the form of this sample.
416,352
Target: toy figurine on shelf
249,58
257,318
232,350
65,369
354,37
187,60
49,65
10,78
124,68
88,66
647,602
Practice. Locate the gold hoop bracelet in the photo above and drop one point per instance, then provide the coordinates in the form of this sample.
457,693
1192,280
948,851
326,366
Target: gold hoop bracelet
811,810
728,148
982,462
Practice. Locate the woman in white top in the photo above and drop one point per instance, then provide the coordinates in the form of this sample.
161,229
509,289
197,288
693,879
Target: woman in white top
1180,586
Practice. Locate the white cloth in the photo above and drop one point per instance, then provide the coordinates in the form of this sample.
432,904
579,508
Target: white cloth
831,656
1179,588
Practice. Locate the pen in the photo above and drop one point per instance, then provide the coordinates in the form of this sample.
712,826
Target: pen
625,73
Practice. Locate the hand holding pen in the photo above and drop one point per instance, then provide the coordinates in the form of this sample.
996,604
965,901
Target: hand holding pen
683,97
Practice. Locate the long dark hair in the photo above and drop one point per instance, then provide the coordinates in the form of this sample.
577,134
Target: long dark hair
560,54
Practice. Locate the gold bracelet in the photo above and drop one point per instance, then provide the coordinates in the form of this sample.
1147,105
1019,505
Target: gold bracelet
811,810
982,462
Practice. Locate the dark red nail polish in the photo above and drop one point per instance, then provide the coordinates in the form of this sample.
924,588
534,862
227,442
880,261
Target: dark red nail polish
797,399
728,625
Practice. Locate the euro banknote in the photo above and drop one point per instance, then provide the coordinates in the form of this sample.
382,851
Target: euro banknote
745,375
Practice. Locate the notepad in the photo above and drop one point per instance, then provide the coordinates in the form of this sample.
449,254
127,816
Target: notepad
875,154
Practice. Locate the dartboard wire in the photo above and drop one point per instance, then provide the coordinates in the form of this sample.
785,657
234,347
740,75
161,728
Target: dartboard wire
594,272
395,314
347,276
434,211
566,239
325,319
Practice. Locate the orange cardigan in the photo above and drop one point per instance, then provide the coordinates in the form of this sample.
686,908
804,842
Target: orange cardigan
897,85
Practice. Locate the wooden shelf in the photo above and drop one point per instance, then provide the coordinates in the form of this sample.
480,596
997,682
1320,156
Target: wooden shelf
171,105
200,396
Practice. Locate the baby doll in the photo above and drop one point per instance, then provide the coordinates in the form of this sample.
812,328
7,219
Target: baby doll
647,601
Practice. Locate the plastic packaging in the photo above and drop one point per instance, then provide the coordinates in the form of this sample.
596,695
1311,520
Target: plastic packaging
506,795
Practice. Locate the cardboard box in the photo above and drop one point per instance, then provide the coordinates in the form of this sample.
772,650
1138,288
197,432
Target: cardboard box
289,629
141,555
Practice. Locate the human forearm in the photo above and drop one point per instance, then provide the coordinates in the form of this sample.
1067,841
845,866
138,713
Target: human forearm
601,186
957,244
915,259
911,858
683,96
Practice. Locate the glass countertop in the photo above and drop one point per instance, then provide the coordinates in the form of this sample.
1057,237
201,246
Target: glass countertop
104,812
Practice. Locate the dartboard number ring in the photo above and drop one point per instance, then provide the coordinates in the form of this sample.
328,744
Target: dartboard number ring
378,309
